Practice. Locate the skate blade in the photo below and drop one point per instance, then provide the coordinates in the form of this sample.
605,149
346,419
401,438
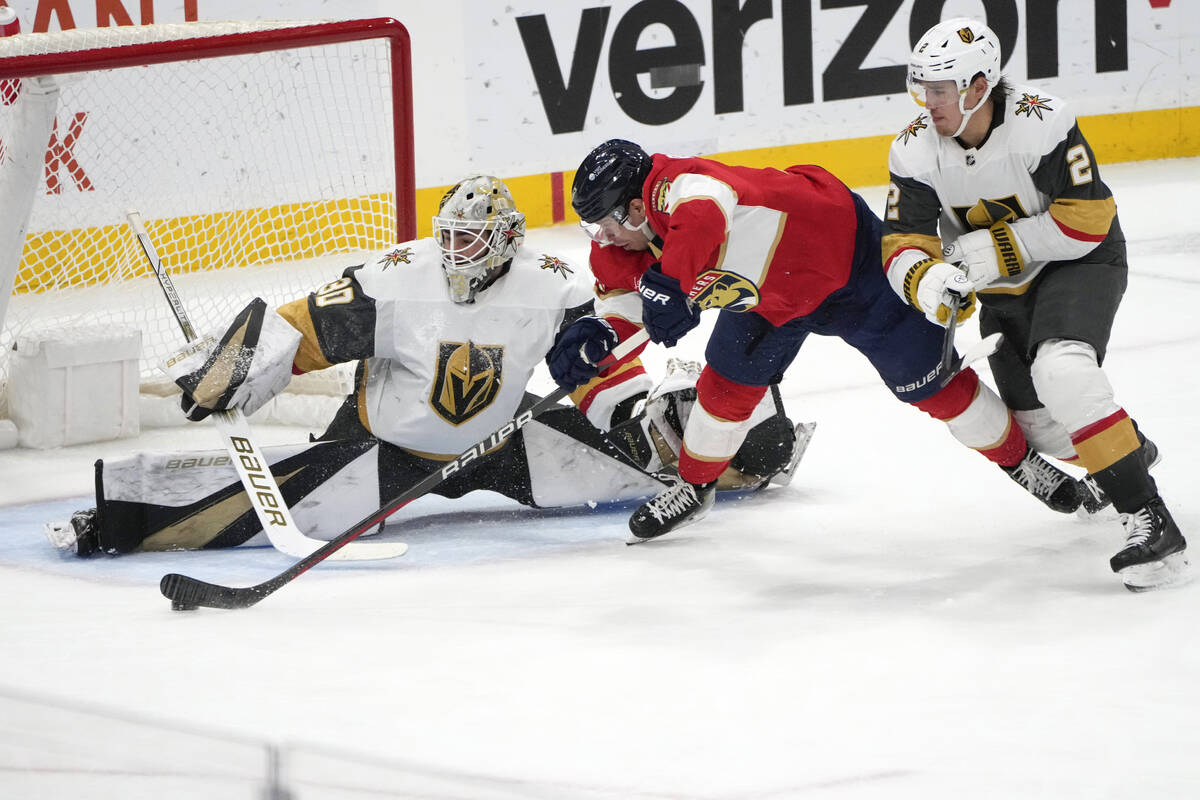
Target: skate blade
804,434
1171,571
1104,516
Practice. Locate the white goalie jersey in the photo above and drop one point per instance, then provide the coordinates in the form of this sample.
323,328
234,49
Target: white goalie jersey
437,376
1034,170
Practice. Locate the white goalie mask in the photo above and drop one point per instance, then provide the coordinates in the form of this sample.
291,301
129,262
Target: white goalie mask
479,230
955,50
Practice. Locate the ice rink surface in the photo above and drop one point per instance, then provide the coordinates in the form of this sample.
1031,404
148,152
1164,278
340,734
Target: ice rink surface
899,622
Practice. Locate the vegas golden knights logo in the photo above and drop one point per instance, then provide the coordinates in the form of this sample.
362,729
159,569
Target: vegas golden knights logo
727,290
467,379
967,35
987,213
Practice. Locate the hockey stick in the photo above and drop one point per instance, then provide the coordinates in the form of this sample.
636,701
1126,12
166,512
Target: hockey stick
188,593
948,336
981,349
252,468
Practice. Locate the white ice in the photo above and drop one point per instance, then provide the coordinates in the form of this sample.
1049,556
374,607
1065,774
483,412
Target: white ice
899,622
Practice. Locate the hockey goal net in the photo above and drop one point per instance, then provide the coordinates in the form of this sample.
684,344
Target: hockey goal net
255,152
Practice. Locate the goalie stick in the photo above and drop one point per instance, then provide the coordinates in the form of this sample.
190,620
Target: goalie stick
252,468
188,593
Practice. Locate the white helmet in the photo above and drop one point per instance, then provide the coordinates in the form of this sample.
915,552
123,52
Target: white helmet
955,50
479,230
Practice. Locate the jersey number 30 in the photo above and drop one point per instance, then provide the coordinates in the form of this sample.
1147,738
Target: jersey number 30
337,293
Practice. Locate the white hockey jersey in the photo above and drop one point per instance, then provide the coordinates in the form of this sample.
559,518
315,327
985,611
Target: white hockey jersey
439,376
1033,170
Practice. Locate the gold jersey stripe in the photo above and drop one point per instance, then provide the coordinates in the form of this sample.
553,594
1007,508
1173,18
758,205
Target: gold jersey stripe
932,245
309,357
1091,217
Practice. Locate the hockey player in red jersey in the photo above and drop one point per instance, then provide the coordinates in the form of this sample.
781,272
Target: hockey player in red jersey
781,254
1002,177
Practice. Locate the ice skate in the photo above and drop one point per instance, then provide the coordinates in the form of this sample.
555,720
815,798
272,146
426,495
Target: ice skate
1155,552
674,507
1058,490
78,535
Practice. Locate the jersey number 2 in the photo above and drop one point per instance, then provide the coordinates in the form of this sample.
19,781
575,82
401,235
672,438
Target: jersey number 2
1080,165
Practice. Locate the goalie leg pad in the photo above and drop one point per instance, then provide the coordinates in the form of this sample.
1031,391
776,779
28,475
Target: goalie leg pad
194,500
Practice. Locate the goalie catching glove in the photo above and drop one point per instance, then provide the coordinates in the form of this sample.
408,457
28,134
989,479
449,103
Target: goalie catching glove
250,364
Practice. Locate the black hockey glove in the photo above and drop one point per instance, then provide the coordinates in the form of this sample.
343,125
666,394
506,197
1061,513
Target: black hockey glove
573,358
667,312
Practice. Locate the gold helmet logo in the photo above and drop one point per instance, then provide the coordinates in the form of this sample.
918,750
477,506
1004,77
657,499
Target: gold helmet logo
466,381
728,290
967,35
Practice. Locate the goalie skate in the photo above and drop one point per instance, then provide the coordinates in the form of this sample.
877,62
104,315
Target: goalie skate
1155,552
78,535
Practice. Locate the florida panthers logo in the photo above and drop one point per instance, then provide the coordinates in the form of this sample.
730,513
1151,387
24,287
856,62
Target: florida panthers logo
658,195
727,290
467,379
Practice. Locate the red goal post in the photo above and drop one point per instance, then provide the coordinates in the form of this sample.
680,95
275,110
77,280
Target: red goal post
255,151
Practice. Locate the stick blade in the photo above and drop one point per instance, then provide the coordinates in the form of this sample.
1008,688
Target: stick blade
187,594
369,551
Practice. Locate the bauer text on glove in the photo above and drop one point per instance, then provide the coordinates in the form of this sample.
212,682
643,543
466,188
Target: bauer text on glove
667,312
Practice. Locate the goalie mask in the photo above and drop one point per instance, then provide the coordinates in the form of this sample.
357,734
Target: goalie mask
478,229
953,51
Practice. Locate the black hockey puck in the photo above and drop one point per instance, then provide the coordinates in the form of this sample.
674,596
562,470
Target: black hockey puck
179,605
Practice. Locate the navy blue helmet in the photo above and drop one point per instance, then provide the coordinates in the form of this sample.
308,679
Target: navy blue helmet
608,178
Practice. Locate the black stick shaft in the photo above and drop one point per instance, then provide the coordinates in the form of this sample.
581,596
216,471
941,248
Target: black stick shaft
948,339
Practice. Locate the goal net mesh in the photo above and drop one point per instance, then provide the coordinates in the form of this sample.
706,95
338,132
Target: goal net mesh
253,171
